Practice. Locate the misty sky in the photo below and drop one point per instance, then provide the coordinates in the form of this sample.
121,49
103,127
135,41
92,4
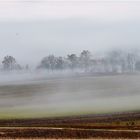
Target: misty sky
32,29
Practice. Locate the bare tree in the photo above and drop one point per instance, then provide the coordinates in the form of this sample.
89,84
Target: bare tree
117,60
60,63
48,62
9,63
85,59
73,59
131,61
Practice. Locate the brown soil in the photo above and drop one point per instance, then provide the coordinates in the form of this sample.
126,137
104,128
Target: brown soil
125,125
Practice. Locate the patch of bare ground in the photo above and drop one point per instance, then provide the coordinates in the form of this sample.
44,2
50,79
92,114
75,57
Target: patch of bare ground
112,126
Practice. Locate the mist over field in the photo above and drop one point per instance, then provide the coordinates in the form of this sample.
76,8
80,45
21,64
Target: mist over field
64,58
46,95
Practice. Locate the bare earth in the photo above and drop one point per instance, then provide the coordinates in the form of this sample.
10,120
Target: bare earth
124,125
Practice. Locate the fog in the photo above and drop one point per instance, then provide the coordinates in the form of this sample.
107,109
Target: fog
32,30
40,28
47,95
40,38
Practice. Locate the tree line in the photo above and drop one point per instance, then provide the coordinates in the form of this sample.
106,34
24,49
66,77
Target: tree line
115,61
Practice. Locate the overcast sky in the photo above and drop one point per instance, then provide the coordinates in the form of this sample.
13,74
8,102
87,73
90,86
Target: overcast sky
31,29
